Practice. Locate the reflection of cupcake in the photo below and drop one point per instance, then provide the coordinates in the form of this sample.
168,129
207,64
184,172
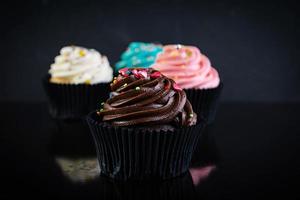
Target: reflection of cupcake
78,79
193,72
146,128
139,54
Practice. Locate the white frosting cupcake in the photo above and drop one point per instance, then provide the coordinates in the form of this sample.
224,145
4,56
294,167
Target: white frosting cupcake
78,65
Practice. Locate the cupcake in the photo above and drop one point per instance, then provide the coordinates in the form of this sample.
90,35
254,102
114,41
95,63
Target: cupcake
146,128
77,79
193,72
139,54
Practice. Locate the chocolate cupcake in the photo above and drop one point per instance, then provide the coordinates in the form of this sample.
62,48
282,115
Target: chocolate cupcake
146,129
193,72
78,78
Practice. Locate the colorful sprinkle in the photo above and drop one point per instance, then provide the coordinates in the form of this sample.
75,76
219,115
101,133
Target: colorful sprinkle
191,115
155,75
102,103
178,46
101,110
123,71
82,53
143,73
115,81
139,73
137,88
98,113
124,85
176,87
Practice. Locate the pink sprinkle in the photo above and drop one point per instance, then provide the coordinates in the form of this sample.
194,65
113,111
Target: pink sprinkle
155,75
123,71
136,73
143,73
176,87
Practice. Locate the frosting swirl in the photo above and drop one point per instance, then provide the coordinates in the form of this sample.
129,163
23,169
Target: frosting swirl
139,54
80,65
146,97
187,66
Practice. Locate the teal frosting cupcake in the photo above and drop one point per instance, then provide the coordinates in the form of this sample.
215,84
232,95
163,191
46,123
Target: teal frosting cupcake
139,54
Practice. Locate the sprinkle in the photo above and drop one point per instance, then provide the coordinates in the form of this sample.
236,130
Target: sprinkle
137,88
115,78
139,73
82,53
155,74
115,81
191,115
123,71
98,113
101,110
189,53
102,103
176,87
135,73
178,46
125,84
143,73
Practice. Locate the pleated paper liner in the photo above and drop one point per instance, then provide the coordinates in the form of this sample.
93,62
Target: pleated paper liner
205,101
72,101
135,153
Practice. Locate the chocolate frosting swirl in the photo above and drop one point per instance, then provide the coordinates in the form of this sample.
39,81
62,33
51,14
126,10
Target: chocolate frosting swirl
146,97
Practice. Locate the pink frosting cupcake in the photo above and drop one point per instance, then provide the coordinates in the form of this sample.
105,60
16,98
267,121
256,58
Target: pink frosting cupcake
193,72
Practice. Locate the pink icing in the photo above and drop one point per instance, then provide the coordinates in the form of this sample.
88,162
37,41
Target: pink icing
187,66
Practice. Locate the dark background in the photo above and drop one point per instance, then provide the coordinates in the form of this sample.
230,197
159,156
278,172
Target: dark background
254,45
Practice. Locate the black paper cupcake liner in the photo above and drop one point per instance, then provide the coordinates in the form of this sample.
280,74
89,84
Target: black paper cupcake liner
72,101
135,153
205,101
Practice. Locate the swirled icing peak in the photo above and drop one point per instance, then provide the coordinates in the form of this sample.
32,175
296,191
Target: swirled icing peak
187,66
146,97
77,65
139,54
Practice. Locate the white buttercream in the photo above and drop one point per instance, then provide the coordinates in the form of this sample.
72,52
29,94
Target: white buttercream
77,65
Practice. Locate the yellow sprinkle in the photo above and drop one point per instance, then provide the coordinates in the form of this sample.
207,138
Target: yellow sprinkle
82,53
115,81
189,53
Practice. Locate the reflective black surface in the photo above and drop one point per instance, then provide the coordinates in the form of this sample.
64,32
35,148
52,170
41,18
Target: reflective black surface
250,152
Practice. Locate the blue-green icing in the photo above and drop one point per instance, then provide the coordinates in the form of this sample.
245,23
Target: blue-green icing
139,54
